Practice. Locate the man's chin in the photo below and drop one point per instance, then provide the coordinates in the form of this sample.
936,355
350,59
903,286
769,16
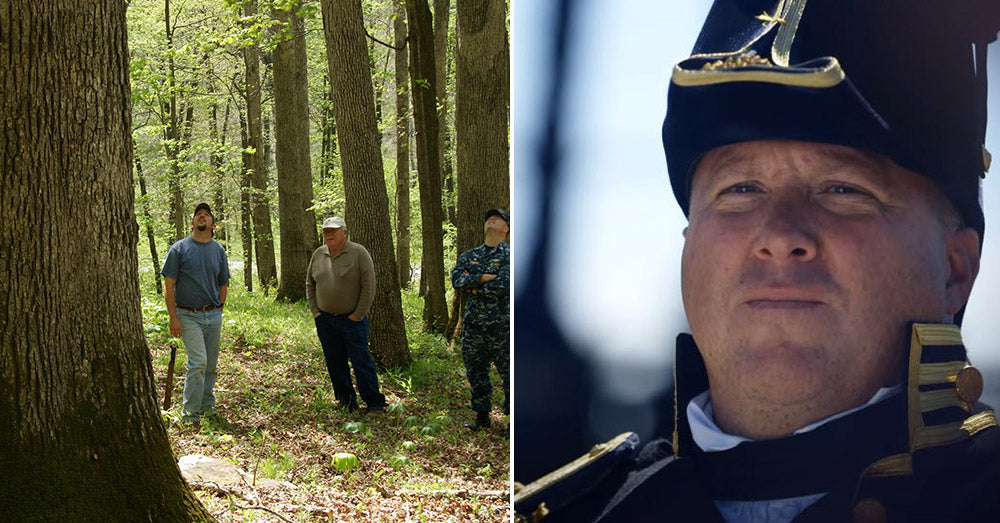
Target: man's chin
787,373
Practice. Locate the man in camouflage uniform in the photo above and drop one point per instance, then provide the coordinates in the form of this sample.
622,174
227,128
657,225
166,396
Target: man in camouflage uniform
483,274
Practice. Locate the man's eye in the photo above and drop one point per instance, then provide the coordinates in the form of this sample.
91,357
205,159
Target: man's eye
845,190
741,188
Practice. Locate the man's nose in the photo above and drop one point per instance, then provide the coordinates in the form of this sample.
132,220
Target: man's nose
787,232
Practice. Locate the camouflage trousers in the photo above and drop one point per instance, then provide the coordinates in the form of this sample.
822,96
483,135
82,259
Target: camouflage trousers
483,345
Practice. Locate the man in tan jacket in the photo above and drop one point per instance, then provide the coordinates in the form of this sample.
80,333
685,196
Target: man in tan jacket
340,288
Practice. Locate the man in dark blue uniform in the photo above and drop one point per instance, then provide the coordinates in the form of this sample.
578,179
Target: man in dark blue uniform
828,157
483,274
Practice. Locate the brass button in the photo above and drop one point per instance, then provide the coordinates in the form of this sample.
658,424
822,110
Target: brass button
969,384
869,510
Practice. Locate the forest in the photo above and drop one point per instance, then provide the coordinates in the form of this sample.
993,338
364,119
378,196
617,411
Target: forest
118,119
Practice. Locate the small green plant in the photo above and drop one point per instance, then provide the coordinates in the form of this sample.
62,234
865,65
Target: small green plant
319,401
486,471
278,466
396,408
411,421
443,419
430,429
344,461
405,382
399,462
409,445
355,427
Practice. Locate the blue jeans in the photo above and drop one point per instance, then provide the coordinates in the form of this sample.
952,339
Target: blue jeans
201,332
344,339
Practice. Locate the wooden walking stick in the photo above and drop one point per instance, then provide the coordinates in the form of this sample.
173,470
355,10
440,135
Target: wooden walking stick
170,377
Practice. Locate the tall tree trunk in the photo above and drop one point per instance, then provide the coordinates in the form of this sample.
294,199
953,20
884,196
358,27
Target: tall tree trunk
81,431
246,207
218,195
482,119
378,83
422,83
172,135
263,238
329,130
402,148
148,222
482,95
291,126
442,16
367,205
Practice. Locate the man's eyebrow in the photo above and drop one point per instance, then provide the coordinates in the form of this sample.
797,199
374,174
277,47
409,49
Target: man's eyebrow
726,156
858,159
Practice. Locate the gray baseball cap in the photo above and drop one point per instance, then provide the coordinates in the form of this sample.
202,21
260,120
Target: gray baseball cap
334,222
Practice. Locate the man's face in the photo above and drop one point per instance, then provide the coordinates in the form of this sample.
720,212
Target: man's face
495,222
203,220
334,238
803,264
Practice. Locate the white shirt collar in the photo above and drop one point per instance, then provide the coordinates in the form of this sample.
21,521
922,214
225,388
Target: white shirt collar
710,438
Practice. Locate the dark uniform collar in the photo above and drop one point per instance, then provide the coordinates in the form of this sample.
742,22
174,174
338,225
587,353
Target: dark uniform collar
935,409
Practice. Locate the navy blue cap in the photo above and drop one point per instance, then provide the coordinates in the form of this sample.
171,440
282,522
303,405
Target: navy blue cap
204,205
902,78
498,212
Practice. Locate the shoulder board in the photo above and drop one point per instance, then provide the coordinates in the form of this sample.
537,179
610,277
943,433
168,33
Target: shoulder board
557,489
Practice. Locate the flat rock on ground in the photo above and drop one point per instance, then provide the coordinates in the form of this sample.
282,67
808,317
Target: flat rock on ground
198,468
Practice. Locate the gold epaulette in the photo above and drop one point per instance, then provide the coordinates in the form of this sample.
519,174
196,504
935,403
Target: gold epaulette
939,379
541,508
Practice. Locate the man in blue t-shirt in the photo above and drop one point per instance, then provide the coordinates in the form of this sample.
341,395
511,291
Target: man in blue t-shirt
197,274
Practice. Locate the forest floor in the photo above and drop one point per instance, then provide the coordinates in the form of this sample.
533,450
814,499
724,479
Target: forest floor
277,419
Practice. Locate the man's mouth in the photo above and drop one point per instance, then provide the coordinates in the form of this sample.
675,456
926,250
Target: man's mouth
782,304
784,297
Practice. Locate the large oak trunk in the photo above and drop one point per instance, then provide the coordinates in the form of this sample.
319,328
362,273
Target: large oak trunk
367,205
482,115
81,436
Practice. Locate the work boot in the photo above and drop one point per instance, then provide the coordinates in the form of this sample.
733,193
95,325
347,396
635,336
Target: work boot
482,422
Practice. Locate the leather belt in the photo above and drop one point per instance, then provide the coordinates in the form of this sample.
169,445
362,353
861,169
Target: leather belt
199,309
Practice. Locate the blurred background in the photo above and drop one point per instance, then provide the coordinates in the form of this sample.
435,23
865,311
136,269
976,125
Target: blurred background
598,243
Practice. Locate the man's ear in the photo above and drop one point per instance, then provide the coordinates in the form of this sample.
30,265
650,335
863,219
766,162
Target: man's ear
963,266
684,233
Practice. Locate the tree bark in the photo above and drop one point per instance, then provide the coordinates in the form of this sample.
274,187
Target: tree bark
402,148
378,83
263,238
422,83
246,207
442,17
172,135
81,434
148,221
482,121
482,116
291,127
329,149
367,204
218,195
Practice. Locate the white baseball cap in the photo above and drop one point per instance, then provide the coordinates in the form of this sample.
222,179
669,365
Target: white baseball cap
334,222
